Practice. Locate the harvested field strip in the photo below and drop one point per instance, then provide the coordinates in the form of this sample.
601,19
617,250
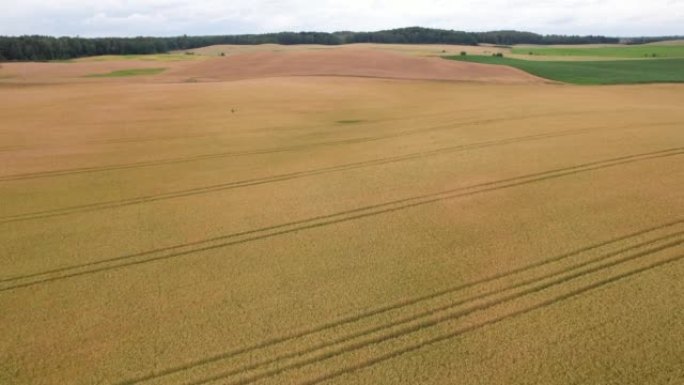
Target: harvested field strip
324,220
162,162
270,179
536,284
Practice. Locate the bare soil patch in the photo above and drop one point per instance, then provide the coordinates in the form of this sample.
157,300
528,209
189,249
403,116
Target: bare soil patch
348,62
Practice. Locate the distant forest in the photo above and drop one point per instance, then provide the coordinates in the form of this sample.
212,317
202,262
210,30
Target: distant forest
37,48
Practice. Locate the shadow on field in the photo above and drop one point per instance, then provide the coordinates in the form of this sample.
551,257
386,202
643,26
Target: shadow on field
194,158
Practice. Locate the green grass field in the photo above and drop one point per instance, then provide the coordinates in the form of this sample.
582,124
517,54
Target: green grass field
634,51
593,72
129,72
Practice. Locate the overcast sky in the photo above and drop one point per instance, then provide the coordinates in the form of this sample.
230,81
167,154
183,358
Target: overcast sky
199,17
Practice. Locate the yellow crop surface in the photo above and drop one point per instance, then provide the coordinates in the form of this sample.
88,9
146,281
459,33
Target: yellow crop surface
340,230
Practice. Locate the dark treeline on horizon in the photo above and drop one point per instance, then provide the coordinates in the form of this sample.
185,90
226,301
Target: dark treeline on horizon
23,48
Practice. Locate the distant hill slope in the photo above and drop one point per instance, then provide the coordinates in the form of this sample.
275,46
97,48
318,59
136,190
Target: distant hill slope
346,62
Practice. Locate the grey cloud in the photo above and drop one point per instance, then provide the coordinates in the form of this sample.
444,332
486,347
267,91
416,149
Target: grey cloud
175,17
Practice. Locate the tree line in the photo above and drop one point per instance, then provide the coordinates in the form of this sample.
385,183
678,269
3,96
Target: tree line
39,48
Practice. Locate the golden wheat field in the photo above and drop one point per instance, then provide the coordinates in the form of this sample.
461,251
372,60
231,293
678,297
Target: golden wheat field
225,223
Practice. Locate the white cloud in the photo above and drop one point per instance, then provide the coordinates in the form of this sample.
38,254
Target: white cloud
176,17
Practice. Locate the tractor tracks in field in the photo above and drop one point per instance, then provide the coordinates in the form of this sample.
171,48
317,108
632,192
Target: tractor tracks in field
152,138
274,178
374,336
96,206
191,248
266,151
456,333
8,149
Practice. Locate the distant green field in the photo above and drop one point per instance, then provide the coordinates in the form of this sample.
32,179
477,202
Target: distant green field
593,72
129,72
632,51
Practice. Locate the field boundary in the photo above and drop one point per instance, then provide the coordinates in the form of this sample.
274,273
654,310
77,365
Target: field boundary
608,72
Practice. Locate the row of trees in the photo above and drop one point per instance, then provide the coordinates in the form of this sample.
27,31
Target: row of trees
53,48
649,39
517,37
